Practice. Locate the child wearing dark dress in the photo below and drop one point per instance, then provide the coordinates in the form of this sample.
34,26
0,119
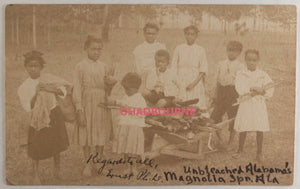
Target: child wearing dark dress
47,132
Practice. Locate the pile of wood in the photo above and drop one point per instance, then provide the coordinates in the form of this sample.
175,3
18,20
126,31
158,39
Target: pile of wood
185,125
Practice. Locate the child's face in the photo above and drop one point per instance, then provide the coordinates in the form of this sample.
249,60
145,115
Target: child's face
251,61
131,91
232,54
190,36
161,63
34,69
150,35
94,51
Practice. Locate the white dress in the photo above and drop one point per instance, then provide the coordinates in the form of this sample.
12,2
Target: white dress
88,92
129,136
188,61
252,114
144,55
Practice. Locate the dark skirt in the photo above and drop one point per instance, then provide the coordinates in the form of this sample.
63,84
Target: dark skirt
48,141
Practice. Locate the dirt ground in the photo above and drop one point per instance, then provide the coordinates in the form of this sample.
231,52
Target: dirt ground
278,57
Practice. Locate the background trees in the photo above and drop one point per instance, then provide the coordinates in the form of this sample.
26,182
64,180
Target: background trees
31,24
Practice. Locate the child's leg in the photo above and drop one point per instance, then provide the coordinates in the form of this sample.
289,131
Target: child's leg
231,136
86,151
35,166
259,140
100,149
242,139
231,114
133,167
56,159
217,115
87,172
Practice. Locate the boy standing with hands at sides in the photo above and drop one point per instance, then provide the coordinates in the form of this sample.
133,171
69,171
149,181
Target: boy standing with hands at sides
145,52
226,94
190,65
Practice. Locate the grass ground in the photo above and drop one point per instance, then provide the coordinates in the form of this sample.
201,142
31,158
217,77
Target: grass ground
278,57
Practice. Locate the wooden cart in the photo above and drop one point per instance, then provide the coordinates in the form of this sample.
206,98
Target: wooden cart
174,144
169,143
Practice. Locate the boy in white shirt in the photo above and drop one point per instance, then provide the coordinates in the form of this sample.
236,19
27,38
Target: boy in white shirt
226,94
161,83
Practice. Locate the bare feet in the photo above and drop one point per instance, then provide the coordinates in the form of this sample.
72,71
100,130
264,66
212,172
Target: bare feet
230,147
36,180
87,171
259,157
56,173
237,155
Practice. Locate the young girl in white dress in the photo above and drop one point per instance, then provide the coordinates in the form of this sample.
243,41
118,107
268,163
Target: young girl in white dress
252,113
129,136
190,64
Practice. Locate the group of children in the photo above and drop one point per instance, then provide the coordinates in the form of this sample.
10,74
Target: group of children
156,82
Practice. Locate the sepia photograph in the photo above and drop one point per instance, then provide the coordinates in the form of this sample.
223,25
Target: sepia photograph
150,94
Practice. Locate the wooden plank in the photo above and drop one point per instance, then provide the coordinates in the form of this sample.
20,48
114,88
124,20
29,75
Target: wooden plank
170,137
182,154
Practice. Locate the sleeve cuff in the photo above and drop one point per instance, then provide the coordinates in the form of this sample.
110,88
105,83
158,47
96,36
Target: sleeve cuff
64,91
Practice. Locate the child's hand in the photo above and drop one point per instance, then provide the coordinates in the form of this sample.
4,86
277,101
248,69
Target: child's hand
51,88
110,101
257,90
190,87
81,119
109,80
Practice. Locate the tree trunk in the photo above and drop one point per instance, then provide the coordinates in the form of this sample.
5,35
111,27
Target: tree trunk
225,27
120,21
17,38
17,31
48,28
254,20
105,28
209,22
49,31
263,24
12,32
33,28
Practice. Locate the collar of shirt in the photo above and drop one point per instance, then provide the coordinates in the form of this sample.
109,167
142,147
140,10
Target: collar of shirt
232,61
91,61
33,80
149,44
192,45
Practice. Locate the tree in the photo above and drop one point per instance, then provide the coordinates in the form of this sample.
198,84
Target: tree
286,15
225,13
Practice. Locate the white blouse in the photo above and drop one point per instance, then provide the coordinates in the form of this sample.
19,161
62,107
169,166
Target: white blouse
27,89
167,78
145,55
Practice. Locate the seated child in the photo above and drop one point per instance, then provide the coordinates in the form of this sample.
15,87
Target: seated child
161,84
